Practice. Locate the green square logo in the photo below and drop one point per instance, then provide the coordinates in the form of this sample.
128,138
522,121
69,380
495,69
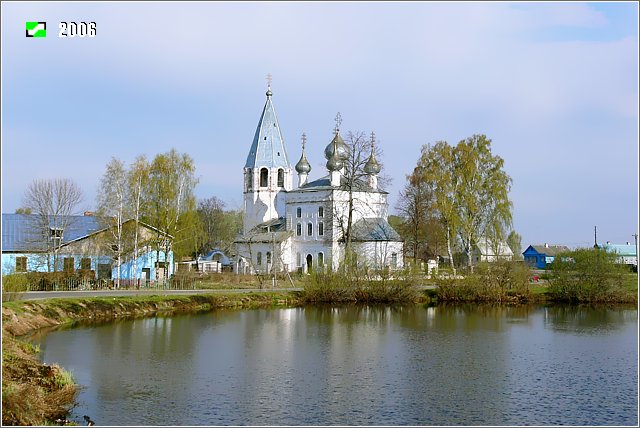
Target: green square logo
36,29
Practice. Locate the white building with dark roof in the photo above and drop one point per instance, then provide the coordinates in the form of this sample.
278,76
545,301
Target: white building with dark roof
303,228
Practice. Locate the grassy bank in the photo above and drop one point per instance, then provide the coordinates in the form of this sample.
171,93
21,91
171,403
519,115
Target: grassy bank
37,394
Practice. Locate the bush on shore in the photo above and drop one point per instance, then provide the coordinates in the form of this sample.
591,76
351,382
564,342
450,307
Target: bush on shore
588,275
500,281
359,286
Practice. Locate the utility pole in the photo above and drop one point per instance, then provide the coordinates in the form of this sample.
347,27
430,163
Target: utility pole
595,237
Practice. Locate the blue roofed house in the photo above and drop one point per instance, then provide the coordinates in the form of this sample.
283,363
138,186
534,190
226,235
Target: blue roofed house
626,253
82,244
538,256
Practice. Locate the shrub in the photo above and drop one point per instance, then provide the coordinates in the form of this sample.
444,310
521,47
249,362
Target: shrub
359,286
588,275
501,281
13,286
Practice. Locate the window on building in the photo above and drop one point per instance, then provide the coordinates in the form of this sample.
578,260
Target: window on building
320,259
85,263
309,229
21,264
298,212
281,177
268,257
248,180
104,271
321,229
56,236
394,260
259,259
298,229
264,177
320,211
67,265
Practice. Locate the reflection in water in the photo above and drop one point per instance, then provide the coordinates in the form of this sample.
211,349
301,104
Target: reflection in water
357,365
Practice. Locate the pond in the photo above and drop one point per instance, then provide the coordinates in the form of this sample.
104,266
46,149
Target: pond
358,365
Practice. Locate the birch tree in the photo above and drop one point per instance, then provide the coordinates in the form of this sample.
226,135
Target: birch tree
112,197
438,169
137,178
52,203
168,195
482,196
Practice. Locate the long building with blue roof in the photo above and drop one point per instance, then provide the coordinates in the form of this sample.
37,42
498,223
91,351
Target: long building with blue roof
80,242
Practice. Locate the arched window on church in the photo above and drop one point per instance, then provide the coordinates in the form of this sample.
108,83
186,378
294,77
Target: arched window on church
259,259
249,179
264,177
281,177
320,259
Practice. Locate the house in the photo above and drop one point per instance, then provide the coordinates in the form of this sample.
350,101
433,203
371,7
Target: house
538,256
84,243
302,228
214,261
487,250
626,253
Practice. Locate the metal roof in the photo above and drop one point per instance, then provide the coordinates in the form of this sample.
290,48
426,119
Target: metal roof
224,260
20,231
325,183
267,149
621,249
550,250
374,229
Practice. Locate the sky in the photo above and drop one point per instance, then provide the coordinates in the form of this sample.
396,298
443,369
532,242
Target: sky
553,85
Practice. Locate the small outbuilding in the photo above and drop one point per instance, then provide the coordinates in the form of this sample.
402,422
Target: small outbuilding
538,256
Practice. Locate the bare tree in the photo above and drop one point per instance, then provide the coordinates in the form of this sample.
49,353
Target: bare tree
413,206
52,202
354,181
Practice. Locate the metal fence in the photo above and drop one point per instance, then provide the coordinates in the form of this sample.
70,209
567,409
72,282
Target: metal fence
80,284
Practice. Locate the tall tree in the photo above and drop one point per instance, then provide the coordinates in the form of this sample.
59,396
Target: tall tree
483,194
514,241
137,179
413,206
112,208
438,169
52,202
353,181
219,226
169,195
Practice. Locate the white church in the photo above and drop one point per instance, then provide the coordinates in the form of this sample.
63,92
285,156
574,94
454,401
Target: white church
302,229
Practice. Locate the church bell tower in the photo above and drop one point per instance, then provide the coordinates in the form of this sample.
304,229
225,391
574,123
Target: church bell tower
267,172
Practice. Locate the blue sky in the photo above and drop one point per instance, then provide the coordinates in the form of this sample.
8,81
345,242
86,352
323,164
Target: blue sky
554,85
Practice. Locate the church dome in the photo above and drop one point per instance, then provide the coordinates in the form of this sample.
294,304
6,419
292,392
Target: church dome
372,166
303,166
334,163
340,147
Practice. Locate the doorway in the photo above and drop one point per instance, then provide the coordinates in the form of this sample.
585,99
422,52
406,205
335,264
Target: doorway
309,263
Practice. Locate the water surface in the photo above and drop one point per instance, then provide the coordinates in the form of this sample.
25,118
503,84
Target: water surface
446,365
